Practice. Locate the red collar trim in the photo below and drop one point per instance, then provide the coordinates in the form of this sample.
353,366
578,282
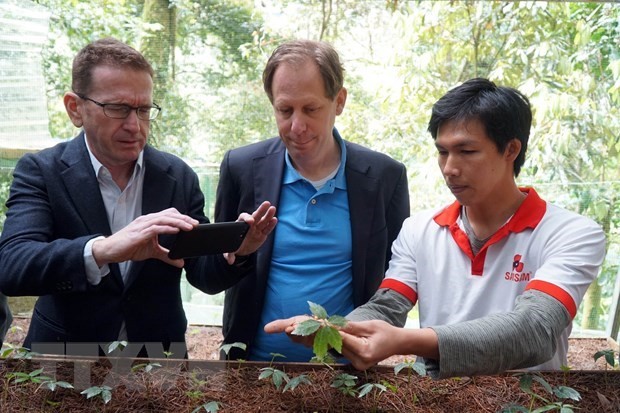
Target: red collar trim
529,214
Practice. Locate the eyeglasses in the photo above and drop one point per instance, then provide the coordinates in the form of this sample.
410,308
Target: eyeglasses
120,111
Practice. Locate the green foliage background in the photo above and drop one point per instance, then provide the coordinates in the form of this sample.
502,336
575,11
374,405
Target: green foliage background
400,56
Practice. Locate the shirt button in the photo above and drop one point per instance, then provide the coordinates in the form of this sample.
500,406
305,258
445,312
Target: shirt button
313,201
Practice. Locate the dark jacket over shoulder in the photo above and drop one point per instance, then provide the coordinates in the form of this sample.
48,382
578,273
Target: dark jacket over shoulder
378,201
55,207
6,318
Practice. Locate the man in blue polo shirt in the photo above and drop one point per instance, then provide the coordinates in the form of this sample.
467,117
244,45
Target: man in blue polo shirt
311,259
339,206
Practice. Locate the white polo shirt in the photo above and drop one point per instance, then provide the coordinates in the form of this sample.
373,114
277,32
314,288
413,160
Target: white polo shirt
542,247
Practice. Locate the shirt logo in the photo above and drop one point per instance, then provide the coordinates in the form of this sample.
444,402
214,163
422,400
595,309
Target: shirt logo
517,265
517,274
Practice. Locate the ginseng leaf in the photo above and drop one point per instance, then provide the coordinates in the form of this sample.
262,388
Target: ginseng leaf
227,347
317,310
609,356
333,338
320,343
325,338
337,320
307,327
296,381
564,392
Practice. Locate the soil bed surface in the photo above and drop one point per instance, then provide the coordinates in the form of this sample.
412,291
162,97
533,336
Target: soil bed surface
203,343
190,386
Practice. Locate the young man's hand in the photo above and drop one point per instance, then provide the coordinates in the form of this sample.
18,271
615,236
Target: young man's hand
366,343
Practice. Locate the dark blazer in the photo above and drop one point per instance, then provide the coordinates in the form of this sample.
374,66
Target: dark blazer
54,208
378,200
6,318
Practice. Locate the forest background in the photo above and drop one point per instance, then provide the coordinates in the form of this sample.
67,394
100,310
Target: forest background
400,57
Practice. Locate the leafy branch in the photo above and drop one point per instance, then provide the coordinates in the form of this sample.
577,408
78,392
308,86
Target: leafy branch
325,329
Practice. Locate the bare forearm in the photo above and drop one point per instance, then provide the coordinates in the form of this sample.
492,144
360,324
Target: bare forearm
421,342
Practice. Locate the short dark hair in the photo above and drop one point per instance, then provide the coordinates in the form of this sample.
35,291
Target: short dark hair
321,53
504,112
105,52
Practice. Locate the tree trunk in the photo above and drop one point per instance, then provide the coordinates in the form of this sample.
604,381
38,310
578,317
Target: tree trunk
157,41
157,44
591,307
592,298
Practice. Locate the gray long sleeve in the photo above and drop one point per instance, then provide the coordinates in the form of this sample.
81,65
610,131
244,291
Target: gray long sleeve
524,337
386,305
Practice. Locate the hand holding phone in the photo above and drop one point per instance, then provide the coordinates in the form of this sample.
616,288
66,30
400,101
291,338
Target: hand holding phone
206,239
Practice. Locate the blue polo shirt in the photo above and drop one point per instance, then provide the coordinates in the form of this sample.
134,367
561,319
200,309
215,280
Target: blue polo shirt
311,258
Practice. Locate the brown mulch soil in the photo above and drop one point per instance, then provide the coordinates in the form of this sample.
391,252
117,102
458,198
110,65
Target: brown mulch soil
183,386
203,343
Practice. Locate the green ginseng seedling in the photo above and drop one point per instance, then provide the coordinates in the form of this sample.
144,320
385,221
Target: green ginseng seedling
325,329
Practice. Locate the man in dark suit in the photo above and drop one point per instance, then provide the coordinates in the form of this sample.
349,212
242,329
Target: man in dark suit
90,221
340,206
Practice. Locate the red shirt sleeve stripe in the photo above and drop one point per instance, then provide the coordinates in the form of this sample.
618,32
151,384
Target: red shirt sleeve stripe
400,288
556,292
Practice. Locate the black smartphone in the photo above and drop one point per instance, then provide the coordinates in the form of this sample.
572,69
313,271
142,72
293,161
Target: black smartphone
205,239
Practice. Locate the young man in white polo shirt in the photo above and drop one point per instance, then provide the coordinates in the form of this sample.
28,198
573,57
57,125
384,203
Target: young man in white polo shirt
499,274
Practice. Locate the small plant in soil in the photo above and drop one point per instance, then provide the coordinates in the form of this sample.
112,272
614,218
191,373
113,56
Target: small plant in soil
102,392
610,357
196,394
34,376
411,366
116,345
374,389
345,383
296,381
210,407
562,393
18,353
277,376
367,388
325,329
227,347
146,367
